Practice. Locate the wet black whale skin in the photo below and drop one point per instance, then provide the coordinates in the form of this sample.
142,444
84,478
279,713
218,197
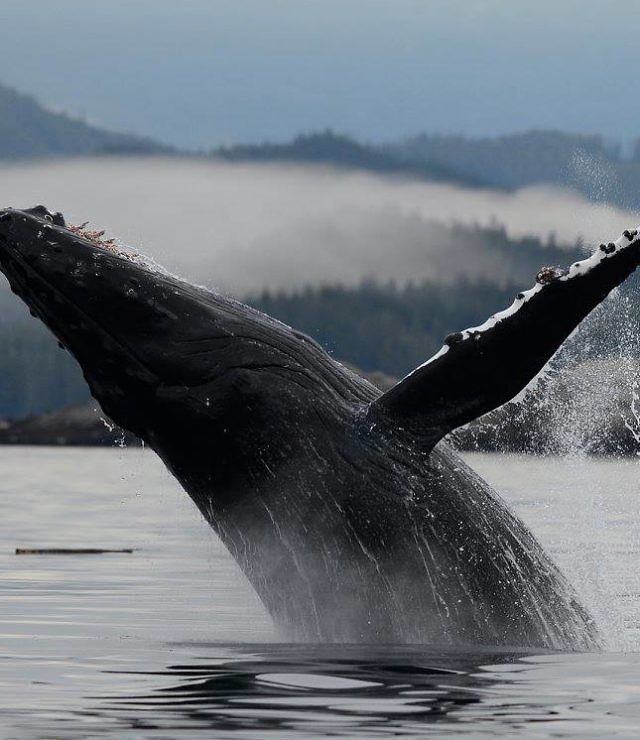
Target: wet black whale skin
348,520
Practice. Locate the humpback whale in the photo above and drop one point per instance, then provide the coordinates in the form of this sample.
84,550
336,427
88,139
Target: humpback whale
346,511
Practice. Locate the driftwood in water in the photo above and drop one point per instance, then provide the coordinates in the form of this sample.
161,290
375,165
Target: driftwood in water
68,551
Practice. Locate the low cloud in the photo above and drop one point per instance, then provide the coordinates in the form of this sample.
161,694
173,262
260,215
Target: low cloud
244,227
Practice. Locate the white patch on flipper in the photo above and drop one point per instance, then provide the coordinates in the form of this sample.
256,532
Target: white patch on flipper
577,269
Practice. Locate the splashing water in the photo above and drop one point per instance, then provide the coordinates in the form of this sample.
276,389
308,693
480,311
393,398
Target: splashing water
587,402
593,175
633,424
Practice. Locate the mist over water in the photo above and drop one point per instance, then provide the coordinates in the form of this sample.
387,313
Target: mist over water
245,227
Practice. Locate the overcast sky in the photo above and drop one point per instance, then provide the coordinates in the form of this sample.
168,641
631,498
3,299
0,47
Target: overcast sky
203,72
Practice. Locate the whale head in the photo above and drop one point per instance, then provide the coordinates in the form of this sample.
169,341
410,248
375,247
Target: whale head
160,354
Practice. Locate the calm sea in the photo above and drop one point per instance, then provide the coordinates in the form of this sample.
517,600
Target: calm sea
169,641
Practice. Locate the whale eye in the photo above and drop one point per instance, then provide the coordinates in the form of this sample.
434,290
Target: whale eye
47,217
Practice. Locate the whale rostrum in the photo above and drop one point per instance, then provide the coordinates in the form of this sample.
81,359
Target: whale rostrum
347,519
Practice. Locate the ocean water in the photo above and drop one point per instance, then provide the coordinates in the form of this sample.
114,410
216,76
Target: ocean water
169,641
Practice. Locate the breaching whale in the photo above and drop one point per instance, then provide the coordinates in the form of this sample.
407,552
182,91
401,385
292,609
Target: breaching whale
346,518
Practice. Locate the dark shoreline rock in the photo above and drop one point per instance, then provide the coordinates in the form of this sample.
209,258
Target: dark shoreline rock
81,425
592,409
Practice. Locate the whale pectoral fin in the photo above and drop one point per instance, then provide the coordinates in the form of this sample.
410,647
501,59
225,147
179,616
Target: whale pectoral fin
482,368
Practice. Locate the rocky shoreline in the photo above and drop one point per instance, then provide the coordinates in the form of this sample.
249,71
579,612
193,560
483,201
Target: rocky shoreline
81,425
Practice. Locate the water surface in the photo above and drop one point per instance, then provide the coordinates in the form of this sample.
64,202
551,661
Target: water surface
170,641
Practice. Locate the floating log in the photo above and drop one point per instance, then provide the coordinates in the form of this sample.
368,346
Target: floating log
68,551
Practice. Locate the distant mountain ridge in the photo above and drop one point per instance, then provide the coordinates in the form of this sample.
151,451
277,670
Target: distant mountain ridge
29,130
331,148
512,161
586,163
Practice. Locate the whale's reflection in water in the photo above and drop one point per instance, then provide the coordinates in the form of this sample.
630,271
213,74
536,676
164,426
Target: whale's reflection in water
332,690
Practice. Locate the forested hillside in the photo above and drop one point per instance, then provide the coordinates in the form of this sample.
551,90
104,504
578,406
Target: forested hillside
588,164
331,148
385,328
509,161
27,129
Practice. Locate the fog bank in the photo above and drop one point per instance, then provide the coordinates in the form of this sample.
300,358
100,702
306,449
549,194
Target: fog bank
244,227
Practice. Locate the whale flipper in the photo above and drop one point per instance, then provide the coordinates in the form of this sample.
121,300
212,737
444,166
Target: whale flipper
482,368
